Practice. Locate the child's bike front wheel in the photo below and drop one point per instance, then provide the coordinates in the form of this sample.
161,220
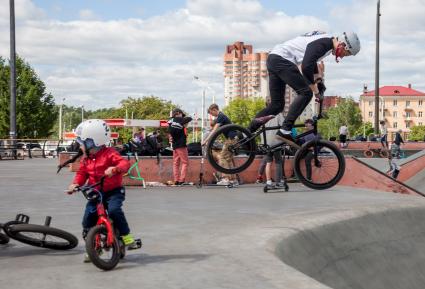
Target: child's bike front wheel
102,255
319,164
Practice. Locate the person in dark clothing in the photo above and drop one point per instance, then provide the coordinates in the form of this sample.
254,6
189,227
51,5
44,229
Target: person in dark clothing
397,144
176,128
294,63
221,119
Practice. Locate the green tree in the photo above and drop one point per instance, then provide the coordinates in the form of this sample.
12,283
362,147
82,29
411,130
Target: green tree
35,108
417,132
147,107
346,113
366,129
242,110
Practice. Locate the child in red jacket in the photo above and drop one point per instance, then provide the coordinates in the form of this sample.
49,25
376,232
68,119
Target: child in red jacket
93,135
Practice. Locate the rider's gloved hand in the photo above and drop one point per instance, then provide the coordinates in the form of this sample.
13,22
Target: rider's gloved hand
71,189
111,171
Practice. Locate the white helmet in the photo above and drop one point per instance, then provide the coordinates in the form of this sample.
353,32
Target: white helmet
352,42
93,133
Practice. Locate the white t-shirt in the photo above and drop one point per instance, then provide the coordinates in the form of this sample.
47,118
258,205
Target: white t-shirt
294,49
384,129
343,130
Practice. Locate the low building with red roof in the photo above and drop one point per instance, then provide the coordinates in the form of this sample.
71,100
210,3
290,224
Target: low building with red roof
399,106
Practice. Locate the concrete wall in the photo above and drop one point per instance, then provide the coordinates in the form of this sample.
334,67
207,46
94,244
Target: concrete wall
153,171
383,250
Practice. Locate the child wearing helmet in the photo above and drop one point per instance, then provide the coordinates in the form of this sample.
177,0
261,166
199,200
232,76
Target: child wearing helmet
294,63
93,135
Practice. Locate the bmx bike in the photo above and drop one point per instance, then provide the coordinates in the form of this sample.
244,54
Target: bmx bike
370,152
318,164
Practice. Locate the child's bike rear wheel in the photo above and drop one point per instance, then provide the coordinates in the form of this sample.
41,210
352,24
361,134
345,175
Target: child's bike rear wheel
41,236
231,142
319,164
102,256
4,239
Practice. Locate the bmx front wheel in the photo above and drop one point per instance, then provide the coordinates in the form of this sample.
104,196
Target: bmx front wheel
319,164
384,153
102,255
42,236
231,149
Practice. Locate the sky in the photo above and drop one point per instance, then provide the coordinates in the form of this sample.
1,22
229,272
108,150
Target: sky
98,52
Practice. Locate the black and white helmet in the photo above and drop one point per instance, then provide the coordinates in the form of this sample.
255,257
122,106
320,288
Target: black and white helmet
93,133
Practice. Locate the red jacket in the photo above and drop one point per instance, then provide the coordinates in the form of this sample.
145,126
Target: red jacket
93,168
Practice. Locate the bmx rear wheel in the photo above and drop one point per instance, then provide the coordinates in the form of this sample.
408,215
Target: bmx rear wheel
42,236
231,149
102,255
319,164
368,153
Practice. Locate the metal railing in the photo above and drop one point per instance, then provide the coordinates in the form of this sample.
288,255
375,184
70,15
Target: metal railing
31,148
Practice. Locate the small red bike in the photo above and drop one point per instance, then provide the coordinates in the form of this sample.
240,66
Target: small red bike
103,244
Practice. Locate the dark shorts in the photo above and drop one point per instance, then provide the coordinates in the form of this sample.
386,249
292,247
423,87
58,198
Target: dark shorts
342,138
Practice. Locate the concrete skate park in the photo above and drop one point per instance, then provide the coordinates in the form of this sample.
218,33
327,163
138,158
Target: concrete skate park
345,237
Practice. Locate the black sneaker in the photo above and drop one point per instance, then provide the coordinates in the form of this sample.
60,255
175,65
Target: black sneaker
286,137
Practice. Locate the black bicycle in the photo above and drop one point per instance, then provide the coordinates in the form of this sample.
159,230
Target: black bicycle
318,164
37,235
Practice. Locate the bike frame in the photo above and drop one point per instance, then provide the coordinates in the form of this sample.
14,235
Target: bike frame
102,213
103,219
276,147
136,167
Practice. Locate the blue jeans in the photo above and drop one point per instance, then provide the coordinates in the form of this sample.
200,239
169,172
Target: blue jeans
112,201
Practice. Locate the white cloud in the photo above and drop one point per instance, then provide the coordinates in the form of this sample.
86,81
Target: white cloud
402,40
87,14
98,63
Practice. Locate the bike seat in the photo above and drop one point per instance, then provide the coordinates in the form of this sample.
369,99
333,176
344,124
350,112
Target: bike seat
263,119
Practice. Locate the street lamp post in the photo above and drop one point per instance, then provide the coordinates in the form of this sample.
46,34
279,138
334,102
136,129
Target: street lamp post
82,113
204,87
60,118
12,115
378,14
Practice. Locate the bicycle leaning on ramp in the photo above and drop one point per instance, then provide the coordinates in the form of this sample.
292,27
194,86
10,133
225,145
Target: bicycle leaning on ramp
318,163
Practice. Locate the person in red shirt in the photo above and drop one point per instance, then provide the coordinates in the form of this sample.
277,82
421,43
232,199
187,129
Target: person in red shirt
93,135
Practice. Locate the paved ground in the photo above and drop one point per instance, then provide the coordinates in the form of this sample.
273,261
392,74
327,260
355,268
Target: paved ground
209,238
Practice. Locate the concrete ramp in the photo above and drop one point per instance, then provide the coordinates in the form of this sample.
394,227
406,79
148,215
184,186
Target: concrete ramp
380,250
417,181
359,174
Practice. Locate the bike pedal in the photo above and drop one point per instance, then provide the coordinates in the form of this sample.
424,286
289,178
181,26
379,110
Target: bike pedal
138,245
22,218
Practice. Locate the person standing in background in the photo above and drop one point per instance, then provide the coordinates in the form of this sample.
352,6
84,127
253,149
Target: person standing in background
176,128
343,132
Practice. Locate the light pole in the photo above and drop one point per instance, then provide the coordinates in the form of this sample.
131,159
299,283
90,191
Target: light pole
378,14
204,86
60,118
12,115
82,113
203,110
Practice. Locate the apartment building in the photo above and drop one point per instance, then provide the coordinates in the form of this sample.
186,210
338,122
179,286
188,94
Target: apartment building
399,106
245,72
